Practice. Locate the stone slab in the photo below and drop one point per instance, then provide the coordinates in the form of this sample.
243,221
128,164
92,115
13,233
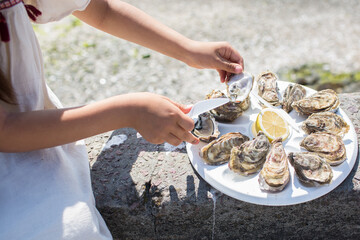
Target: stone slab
147,191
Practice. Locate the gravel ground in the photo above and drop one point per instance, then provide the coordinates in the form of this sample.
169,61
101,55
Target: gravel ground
84,65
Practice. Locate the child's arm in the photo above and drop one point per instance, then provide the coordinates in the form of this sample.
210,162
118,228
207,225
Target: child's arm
156,118
125,21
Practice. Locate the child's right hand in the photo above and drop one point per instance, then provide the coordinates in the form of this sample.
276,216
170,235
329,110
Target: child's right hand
158,119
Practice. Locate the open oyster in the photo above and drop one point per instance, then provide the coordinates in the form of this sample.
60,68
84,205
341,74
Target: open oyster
275,173
229,111
239,86
327,145
292,93
325,122
267,87
206,128
322,101
311,168
218,151
250,156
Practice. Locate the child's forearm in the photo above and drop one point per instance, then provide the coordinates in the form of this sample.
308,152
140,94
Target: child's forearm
127,22
41,129
157,118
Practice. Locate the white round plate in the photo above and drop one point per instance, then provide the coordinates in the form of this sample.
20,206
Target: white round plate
247,188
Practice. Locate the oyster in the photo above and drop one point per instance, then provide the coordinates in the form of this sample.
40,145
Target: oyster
267,87
327,145
229,111
325,122
275,173
239,86
292,93
311,168
322,101
218,151
206,128
250,156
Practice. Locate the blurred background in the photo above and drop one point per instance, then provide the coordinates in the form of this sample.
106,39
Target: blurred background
315,43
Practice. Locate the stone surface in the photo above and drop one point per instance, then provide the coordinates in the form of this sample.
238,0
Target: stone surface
147,191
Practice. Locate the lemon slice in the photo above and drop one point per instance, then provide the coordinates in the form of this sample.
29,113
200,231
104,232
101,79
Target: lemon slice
272,124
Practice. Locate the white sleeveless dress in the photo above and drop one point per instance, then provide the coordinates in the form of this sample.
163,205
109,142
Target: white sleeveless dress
44,194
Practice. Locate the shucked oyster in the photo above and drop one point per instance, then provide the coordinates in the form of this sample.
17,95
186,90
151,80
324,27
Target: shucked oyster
239,86
325,122
275,173
267,87
230,111
327,145
311,168
206,128
322,101
218,151
250,156
292,93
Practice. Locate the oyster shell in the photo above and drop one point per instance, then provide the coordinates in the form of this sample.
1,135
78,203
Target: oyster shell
327,145
206,128
325,122
229,111
292,93
275,173
218,151
322,101
311,168
268,88
249,157
239,86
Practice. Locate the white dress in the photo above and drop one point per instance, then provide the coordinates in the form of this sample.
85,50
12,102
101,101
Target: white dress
44,194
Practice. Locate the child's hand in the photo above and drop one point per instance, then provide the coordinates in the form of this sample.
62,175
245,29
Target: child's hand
215,55
158,119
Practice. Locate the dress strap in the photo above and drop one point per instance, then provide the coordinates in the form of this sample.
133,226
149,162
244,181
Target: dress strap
32,12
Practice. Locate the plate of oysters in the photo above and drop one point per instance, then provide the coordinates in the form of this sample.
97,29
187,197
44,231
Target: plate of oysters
274,143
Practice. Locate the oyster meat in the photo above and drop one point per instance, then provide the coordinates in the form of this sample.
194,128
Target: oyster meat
268,88
275,173
292,93
325,122
229,111
250,156
206,128
327,145
322,101
311,168
218,151
239,86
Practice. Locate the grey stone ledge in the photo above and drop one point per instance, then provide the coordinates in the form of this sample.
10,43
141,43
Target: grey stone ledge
145,191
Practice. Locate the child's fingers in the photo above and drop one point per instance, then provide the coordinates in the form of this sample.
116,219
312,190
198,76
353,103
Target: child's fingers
173,140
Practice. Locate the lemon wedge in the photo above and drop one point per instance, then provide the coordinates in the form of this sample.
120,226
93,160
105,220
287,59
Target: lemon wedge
272,124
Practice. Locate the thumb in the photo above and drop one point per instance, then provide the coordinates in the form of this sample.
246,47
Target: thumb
231,67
